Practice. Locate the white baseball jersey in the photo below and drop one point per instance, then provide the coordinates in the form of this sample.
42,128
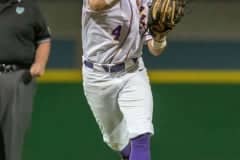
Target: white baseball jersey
116,34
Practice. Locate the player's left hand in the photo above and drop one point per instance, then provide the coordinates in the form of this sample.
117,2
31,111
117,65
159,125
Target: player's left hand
164,15
37,70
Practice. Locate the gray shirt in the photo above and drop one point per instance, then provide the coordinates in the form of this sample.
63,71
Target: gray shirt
116,34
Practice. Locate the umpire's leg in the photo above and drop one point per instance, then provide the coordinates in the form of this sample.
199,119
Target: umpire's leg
16,109
2,154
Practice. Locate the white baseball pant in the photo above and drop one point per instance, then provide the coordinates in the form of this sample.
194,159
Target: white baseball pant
121,102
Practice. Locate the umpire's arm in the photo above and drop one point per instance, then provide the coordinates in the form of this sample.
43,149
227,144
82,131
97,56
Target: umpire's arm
43,44
41,58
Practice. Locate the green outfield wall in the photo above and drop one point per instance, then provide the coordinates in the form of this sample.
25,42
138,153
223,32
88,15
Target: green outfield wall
192,122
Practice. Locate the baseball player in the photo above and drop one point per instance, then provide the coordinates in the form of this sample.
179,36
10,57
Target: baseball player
115,79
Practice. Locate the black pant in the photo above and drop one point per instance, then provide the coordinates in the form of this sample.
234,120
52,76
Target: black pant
15,112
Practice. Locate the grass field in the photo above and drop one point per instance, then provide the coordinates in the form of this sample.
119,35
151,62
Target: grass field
192,122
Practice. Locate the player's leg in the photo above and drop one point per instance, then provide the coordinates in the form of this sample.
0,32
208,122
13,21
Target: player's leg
140,147
101,91
17,114
125,152
136,103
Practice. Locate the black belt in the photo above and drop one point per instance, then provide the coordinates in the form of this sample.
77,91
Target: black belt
6,68
109,68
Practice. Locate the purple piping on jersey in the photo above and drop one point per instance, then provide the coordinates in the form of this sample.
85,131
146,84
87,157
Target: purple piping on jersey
129,30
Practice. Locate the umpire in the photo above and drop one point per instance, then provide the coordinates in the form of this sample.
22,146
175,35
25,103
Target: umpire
24,51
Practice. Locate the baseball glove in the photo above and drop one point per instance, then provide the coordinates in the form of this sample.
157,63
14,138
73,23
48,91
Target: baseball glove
163,16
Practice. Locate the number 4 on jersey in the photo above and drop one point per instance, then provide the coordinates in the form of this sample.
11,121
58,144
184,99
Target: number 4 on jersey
117,32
